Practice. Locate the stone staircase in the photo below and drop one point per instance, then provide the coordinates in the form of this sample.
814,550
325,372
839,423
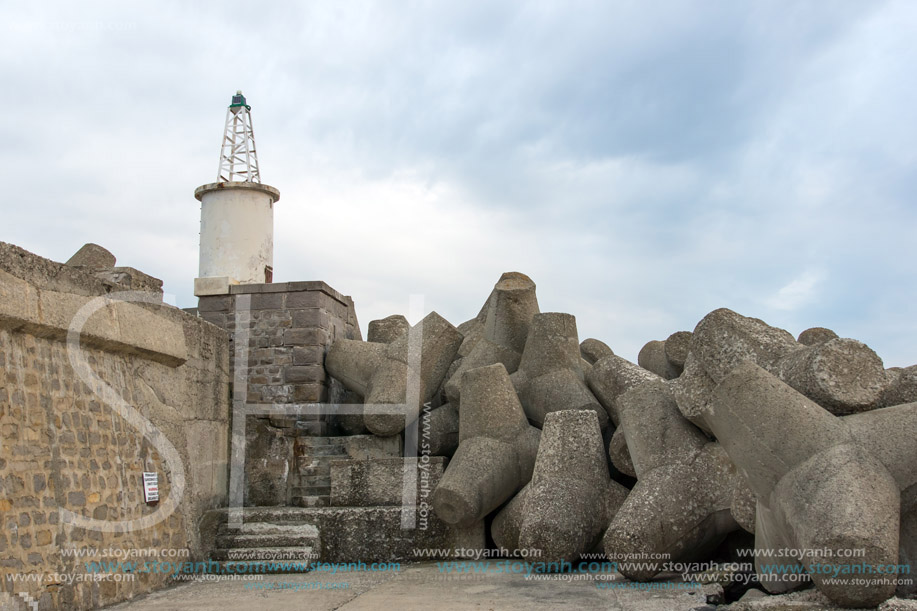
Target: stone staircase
350,504
346,534
312,462
312,479
267,543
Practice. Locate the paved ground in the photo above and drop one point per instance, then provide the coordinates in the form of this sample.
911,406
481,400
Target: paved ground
419,587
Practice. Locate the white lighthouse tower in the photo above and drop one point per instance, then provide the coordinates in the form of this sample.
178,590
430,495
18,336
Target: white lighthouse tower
237,212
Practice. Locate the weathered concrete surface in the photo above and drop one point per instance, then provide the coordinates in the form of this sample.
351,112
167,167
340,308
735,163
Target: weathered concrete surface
653,358
422,587
907,542
681,503
656,432
791,459
743,505
611,377
507,523
509,310
619,454
805,600
842,375
677,347
154,397
387,330
496,452
269,462
368,534
552,344
484,352
692,392
816,335
723,339
679,510
92,256
438,431
565,509
380,372
559,390
380,481
593,350
112,325
901,388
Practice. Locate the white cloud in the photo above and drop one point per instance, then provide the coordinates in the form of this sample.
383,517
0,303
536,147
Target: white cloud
797,293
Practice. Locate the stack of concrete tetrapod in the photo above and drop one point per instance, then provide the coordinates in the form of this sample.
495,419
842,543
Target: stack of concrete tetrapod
823,483
773,403
681,504
381,373
808,443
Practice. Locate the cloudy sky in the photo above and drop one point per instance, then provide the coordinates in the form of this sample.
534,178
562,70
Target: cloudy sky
645,162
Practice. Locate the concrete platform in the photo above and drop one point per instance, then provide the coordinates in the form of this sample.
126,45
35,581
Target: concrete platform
423,587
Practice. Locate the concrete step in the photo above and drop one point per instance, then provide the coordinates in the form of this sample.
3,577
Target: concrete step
257,525
310,491
360,447
312,500
315,469
368,534
233,541
314,481
275,516
321,450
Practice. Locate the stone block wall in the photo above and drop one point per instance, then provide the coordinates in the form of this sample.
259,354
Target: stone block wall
291,326
67,447
287,328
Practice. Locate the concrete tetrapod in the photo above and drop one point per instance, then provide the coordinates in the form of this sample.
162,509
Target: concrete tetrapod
723,339
565,510
593,350
692,392
386,330
653,358
902,386
380,372
484,353
816,335
681,503
611,377
498,333
508,311
439,431
619,454
677,347
822,482
507,524
496,452
550,376
842,375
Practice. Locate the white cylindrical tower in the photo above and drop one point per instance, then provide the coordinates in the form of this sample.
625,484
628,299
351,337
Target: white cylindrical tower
237,231
237,213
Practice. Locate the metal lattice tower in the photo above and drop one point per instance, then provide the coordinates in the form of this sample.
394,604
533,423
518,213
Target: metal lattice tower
238,158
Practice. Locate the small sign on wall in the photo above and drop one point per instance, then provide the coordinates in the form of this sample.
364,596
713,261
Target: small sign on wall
150,487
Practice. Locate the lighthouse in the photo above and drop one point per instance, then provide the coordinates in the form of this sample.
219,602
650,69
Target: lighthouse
237,212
